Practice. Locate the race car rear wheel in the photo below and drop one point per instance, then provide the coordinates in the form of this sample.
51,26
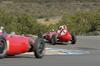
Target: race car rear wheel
53,40
3,47
73,40
39,48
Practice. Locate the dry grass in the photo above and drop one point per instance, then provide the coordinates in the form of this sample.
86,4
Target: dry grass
48,8
48,21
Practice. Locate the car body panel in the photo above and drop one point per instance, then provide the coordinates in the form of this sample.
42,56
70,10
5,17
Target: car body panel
62,38
17,44
48,35
65,38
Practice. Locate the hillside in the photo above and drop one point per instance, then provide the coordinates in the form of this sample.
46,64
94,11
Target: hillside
45,1
48,8
33,16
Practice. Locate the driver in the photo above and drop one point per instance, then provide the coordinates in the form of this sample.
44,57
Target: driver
62,30
1,29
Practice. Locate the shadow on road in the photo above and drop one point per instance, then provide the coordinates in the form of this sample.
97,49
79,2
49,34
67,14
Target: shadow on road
59,43
21,56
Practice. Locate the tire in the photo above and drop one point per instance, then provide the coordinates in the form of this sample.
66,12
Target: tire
3,47
53,40
73,40
39,48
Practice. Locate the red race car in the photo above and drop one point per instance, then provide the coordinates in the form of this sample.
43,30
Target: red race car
62,35
11,45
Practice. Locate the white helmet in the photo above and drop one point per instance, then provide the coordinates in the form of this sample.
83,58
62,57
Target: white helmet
61,27
1,27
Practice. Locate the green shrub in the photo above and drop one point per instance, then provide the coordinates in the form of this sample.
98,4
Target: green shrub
21,23
83,21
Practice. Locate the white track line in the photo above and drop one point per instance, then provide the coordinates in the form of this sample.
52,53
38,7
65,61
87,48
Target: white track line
57,51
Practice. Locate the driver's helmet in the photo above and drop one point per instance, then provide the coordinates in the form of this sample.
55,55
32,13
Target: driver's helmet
61,27
1,29
65,27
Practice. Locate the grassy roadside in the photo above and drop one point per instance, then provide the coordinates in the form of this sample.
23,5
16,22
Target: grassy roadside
22,17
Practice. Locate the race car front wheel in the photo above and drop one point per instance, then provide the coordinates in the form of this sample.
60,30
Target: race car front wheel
39,48
53,40
73,40
3,47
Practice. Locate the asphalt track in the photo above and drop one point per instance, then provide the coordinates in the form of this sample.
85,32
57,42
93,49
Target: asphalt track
90,44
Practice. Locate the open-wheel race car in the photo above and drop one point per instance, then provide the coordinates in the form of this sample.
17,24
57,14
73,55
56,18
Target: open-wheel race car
61,35
11,45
